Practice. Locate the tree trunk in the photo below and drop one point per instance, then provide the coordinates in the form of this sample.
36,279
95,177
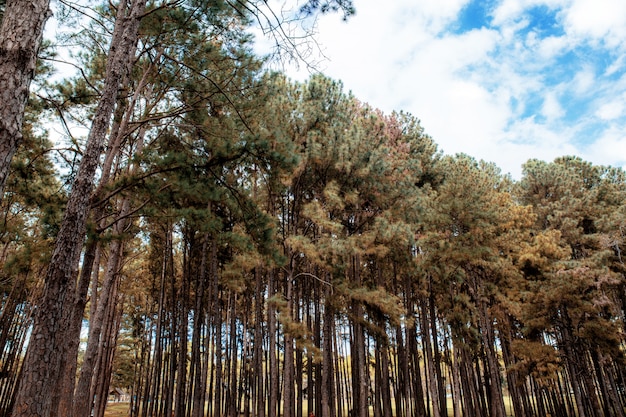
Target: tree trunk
91,258
82,397
105,368
288,368
572,369
196,342
259,398
20,38
493,368
41,373
328,409
180,404
428,341
273,362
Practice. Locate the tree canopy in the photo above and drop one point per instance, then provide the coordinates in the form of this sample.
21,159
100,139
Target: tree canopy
225,240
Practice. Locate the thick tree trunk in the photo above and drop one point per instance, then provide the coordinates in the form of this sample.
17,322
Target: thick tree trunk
66,391
20,37
41,374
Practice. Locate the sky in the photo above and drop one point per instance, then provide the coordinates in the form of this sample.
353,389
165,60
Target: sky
501,80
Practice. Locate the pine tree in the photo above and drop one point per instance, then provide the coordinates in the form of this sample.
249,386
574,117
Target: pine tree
571,197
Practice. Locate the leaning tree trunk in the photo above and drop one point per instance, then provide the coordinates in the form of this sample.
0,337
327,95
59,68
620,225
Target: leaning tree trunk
20,38
83,398
42,363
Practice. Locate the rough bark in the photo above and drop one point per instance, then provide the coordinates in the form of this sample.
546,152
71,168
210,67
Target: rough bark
43,360
20,38
91,258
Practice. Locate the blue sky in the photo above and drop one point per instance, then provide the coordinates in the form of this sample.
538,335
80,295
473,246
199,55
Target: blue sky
503,81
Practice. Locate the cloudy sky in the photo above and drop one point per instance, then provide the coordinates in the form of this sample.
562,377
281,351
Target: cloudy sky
501,80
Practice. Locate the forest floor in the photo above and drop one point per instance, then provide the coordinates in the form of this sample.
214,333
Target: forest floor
116,410
121,409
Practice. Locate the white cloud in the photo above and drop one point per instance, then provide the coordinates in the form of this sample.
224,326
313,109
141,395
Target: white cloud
491,93
552,46
551,108
598,19
611,111
610,149
509,11
584,81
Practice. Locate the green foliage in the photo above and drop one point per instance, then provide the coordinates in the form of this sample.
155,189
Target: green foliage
32,206
242,178
326,6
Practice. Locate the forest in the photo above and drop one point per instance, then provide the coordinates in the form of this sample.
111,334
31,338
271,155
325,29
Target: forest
211,238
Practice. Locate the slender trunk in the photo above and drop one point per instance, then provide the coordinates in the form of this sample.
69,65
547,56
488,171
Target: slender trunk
15,320
258,346
197,409
83,395
20,38
413,372
231,364
443,405
339,376
103,378
613,389
377,384
401,394
385,384
182,365
315,369
456,381
288,368
570,361
590,388
273,363
328,410
493,369
471,401
152,399
430,359
218,387
360,368
312,323
513,377
299,358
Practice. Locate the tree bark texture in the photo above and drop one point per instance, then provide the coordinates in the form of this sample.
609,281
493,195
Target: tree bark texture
41,372
20,37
